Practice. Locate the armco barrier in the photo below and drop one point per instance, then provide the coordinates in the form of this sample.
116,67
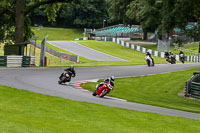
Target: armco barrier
154,53
66,56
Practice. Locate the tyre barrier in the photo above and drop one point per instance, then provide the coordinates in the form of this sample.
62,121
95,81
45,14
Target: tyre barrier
17,61
193,86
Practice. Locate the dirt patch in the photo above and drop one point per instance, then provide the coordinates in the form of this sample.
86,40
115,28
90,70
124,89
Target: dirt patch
182,94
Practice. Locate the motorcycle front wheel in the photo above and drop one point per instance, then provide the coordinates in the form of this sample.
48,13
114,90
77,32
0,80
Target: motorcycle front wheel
59,82
148,62
94,93
103,93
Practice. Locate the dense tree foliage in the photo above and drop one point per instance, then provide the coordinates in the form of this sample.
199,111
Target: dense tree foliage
160,15
85,14
117,10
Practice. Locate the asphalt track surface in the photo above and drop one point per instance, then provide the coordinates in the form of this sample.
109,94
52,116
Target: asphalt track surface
44,80
83,51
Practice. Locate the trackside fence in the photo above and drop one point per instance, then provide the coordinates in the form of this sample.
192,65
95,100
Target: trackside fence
193,86
153,52
17,61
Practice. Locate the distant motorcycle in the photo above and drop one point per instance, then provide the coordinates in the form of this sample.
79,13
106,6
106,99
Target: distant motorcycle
149,60
103,89
182,58
65,77
171,59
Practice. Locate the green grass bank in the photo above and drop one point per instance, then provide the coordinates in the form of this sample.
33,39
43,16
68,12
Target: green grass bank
56,34
132,57
158,90
23,111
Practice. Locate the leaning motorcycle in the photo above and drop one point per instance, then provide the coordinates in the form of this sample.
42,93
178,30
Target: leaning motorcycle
102,89
182,58
149,60
171,59
65,77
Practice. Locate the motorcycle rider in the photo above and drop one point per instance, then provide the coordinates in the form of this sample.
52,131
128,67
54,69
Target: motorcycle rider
170,53
110,79
181,52
149,54
171,58
166,54
69,71
181,56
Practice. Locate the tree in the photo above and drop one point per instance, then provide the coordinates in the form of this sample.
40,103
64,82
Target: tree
117,10
86,13
145,12
90,13
22,8
164,15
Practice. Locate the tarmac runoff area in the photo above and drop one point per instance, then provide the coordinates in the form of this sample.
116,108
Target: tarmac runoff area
84,51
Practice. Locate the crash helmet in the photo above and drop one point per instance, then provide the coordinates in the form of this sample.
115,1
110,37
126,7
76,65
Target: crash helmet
147,53
112,78
71,67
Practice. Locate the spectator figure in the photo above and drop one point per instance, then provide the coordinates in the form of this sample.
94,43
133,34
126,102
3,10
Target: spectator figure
121,34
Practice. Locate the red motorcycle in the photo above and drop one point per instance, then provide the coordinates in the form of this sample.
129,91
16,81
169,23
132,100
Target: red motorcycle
103,89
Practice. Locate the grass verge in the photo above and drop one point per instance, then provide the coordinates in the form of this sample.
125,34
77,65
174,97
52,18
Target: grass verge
57,33
24,111
192,46
133,57
158,90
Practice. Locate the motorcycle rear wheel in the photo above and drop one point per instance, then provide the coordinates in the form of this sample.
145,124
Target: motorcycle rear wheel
148,62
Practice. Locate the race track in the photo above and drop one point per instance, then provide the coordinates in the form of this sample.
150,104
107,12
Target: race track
83,51
44,80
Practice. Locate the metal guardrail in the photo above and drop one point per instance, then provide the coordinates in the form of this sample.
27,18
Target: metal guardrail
60,54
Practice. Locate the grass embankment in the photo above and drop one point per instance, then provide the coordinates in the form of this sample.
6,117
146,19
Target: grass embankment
57,33
23,111
82,59
159,90
132,57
